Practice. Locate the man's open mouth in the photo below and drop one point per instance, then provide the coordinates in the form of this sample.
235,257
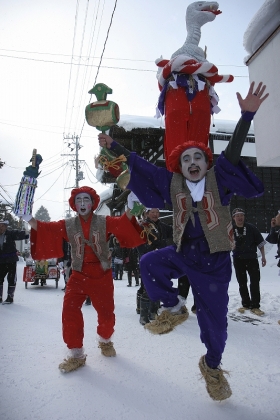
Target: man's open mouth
194,171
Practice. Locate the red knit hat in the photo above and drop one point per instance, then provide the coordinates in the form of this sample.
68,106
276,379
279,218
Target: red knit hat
175,155
95,197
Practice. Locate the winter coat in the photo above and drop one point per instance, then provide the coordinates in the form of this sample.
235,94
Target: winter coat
164,237
8,252
274,238
111,242
66,251
118,251
247,240
131,259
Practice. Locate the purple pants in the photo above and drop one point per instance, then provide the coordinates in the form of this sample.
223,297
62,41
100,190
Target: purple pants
209,276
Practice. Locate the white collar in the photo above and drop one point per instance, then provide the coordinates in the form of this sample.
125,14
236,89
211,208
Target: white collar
196,189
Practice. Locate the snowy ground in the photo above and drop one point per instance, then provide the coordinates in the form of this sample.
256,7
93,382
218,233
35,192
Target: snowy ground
152,377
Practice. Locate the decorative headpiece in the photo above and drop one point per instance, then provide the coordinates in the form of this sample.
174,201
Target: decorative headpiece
95,197
175,155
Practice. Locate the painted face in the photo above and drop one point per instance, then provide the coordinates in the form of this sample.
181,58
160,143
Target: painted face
193,164
83,203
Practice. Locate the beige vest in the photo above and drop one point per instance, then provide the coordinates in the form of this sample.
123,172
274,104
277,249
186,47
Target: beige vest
97,241
215,219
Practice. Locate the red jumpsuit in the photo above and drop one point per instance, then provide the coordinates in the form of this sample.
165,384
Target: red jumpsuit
92,281
185,120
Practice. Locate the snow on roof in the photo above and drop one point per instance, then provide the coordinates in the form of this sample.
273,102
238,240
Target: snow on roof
227,127
106,194
128,122
262,25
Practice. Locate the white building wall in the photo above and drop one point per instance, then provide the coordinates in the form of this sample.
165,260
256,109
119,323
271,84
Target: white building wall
105,197
103,210
265,67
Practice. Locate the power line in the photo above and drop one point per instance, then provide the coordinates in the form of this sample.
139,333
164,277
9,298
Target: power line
87,74
107,67
87,168
51,185
74,64
99,65
70,75
104,46
78,71
6,192
54,170
28,128
77,57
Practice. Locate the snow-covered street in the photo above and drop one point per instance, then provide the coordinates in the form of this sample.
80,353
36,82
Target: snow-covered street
152,377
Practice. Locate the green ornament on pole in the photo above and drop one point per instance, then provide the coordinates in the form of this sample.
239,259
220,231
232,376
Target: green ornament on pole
102,114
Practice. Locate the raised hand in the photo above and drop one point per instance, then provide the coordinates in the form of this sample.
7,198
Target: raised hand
254,99
105,140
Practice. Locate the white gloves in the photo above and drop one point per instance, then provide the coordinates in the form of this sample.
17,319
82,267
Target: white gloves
27,217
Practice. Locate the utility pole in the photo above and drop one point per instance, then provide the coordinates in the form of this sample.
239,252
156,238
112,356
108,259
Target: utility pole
74,145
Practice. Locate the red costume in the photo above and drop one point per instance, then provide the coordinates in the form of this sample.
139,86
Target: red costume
184,120
187,99
92,280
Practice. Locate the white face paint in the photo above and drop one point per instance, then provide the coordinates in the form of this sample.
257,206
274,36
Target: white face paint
83,203
193,164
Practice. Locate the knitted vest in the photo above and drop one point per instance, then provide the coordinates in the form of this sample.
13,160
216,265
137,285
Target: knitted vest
97,241
215,219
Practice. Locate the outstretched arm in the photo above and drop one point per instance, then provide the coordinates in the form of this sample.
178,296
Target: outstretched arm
30,219
106,142
249,107
150,183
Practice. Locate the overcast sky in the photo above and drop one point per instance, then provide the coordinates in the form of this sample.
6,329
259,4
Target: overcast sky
43,96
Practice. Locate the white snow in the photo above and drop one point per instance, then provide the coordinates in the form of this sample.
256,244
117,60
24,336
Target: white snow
152,377
262,25
128,122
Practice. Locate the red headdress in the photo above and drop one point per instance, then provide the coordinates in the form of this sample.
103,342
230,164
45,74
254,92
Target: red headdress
175,155
95,197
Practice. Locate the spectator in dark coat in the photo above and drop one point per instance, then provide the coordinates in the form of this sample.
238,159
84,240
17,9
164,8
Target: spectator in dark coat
160,237
131,265
163,236
163,233
117,254
9,258
274,235
245,259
